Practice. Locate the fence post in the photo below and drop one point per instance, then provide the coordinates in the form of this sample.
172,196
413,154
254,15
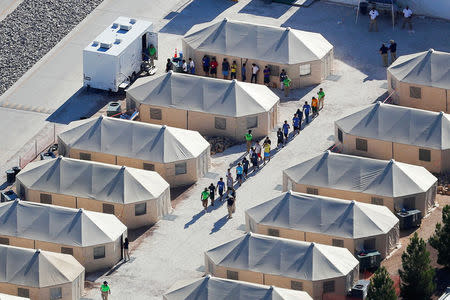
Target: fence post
35,148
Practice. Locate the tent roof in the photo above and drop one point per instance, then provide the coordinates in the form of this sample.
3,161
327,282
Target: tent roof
36,268
155,143
283,257
399,124
362,175
60,225
11,297
213,288
92,180
203,94
429,68
261,42
330,216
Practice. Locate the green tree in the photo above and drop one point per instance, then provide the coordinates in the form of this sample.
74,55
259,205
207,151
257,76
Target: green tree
441,238
381,286
417,274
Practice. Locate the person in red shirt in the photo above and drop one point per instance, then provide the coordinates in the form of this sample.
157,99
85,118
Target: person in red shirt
213,69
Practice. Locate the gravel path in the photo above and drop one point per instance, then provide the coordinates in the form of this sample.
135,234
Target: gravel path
32,30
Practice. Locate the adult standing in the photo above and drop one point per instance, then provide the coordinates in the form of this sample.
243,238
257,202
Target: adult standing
204,197
287,85
233,70
212,193
126,253
105,290
244,72
254,159
230,181
266,146
239,173
282,77
407,17
280,138
384,54
393,50
185,66
245,164
306,109
205,63
231,203
152,55
169,65
266,72
248,140
225,68
191,66
373,19
296,124
258,150
315,106
220,187
213,67
255,70
286,128
321,97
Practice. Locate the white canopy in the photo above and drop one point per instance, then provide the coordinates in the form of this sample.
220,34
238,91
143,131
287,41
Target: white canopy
399,124
283,257
261,42
324,215
11,297
60,225
92,180
210,95
139,140
36,268
429,68
362,175
213,288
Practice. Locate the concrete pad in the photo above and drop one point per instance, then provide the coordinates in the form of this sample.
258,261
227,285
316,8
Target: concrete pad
8,6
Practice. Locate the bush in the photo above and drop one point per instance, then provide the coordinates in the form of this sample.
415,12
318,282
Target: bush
381,286
441,238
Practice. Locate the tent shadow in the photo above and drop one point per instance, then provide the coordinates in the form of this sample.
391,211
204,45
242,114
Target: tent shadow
219,224
259,8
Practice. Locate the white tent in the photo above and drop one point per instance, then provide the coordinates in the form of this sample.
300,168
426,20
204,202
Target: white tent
213,288
429,68
362,175
138,140
10,297
92,180
60,225
260,42
399,124
203,94
37,269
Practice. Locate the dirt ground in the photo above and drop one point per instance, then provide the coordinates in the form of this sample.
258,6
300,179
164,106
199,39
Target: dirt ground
394,262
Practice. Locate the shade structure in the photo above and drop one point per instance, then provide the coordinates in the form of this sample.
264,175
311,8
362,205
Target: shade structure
326,220
10,297
40,273
406,134
98,187
391,183
262,44
421,80
139,145
197,103
213,288
57,228
311,267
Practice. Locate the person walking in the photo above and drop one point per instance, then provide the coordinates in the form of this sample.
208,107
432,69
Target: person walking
126,253
373,13
254,159
233,70
280,138
230,181
393,50
287,85
384,54
204,197
266,146
306,109
321,96
315,106
258,150
212,193
407,17
244,72
225,68
152,55
185,66
245,164
255,70
205,63
169,65
248,140
239,173
213,67
220,187
296,125
282,77
191,66
286,128
231,203
105,290
266,72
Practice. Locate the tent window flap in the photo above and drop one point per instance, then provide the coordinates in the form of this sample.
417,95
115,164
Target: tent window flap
55,293
46,198
305,70
424,155
252,122
149,167
66,250
273,232
328,286
180,168
155,114
220,123
377,201
4,241
99,252
415,92
296,285
85,156
232,275
338,243
140,209
312,191
108,208
21,292
361,145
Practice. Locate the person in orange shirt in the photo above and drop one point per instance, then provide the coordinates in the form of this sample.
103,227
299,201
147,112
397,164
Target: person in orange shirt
315,107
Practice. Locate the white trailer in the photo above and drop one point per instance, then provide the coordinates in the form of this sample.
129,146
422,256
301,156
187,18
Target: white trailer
114,58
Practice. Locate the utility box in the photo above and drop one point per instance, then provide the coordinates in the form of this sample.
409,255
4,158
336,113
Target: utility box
359,290
409,218
114,58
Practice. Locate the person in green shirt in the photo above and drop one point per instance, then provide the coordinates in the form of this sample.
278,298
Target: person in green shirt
204,197
287,84
152,54
105,290
248,139
321,97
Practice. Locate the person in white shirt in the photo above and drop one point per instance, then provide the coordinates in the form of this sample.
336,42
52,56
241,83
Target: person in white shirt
191,66
373,19
255,70
185,66
407,16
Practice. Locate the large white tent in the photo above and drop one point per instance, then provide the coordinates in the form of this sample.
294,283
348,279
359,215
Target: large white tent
322,219
213,288
361,178
10,297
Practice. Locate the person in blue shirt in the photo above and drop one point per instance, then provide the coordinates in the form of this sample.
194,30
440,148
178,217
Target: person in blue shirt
286,128
220,187
239,173
296,124
205,63
245,164
306,109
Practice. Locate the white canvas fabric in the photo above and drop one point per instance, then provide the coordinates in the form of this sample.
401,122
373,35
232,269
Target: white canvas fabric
324,215
36,268
283,257
60,225
92,180
362,175
10,297
213,288
139,140
399,124
203,94
260,42
429,68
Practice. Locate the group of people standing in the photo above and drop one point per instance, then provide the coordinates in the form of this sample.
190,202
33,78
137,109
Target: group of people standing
407,18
